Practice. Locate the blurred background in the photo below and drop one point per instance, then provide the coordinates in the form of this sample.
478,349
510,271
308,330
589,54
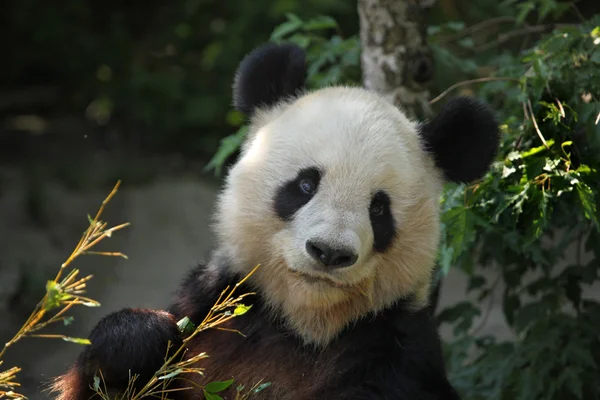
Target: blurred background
96,91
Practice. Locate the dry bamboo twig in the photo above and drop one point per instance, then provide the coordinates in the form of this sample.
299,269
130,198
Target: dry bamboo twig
62,294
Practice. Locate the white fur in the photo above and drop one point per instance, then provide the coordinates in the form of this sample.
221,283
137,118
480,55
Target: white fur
363,144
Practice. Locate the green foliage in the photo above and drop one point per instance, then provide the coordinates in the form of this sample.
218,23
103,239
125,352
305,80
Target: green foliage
211,390
543,187
331,59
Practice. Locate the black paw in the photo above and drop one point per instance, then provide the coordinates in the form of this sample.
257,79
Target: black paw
127,343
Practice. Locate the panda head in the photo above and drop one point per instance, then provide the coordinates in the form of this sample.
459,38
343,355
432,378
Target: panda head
336,193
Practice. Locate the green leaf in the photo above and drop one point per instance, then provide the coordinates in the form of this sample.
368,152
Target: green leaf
536,150
541,218
228,146
319,23
510,304
215,387
186,326
293,24
76,340
211,396
462,313
459,224
54,295
526,315
68,321
524,10
241,309
588,201
96,383
261,387
595,57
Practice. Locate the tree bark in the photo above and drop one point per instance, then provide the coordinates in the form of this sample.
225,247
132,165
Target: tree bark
395,58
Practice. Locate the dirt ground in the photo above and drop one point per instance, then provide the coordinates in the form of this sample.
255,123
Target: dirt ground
168,234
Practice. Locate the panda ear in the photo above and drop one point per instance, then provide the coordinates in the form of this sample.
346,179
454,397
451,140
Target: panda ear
463,138
267,75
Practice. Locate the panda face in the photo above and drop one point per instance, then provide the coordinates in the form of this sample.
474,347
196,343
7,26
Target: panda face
336,193
335,198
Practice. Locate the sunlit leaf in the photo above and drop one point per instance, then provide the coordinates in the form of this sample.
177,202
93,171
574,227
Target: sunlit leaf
77,340
216,387
587,199
241,309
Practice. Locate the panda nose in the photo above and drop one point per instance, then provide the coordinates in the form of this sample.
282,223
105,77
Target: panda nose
330,257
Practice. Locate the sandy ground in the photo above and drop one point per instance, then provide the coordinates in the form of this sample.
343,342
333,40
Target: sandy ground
168,235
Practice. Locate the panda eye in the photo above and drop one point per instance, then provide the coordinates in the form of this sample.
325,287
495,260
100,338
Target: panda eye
377,209
307,186
379,205
382,221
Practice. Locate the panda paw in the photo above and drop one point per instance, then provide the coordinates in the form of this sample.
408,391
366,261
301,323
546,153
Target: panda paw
123,344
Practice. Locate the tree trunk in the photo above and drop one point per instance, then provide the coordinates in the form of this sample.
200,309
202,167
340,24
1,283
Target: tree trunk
396,60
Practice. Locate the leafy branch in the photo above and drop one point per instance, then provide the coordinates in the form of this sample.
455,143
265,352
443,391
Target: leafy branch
62,293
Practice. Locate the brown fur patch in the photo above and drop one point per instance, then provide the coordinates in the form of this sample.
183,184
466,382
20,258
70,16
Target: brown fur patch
67,386
270,359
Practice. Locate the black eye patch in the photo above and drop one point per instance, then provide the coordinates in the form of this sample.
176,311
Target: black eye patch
296,193
382,221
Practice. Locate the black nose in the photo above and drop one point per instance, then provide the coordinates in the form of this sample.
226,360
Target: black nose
330,257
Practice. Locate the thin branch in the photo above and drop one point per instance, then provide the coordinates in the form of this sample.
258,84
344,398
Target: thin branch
560,107
70,290
505,37
476,28
537,128
469,82
577,12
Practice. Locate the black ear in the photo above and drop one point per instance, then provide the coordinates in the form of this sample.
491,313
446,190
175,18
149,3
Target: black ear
463,138
267,75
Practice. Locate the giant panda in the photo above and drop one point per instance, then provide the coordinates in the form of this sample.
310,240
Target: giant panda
335,195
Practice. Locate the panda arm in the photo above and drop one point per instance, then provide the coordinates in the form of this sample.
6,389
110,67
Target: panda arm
137,339
414,369
200,290
402,359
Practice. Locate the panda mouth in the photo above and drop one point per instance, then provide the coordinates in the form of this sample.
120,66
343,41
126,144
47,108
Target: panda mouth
312,279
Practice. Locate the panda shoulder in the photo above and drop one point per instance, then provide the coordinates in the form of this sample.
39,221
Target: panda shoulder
200,288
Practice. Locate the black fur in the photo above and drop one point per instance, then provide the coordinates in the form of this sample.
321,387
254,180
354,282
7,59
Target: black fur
267,75
393,355
290,197
383,225
463,139
123,344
